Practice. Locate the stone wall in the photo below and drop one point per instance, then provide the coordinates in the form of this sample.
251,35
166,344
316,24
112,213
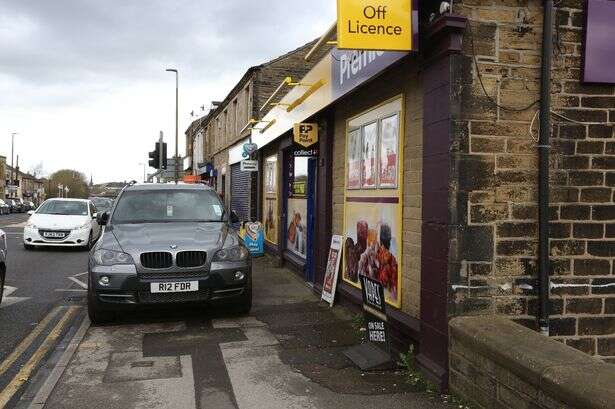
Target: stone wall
498,175
495,363
402,78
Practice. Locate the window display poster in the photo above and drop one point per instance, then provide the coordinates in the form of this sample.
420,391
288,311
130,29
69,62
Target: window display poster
333,266
271,219
296,234
354,160
270,174
372,245
368,155
388,151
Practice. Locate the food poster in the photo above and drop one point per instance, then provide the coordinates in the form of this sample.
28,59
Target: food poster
353,176
372,245
373,212
388,151
368,156
270,200
296,233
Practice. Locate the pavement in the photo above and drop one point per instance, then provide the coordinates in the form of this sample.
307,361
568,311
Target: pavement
287,353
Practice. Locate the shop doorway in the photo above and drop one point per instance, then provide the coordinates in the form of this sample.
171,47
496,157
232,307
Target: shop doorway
300,214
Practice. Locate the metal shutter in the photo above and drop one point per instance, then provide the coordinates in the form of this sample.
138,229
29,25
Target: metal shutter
240,192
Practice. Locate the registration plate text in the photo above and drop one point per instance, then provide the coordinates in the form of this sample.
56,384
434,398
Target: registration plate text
174,287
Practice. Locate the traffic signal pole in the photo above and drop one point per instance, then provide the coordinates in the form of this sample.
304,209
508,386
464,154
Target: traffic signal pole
161,152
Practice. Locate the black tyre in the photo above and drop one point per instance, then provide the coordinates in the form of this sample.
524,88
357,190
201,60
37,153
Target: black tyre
90,243
245,304
28,246
96,314
2,276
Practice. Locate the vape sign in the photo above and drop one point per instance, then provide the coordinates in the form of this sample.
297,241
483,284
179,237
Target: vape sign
374,308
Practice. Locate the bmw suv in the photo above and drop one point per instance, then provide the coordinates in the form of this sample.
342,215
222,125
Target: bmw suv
167,244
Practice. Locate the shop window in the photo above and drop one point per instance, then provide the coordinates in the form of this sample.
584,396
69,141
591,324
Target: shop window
373,199
296,233
270,199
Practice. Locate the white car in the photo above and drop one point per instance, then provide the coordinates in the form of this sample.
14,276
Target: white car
62,222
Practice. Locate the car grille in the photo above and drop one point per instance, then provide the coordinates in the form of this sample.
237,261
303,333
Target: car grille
171,274
61,233
148,297
191,258
158,259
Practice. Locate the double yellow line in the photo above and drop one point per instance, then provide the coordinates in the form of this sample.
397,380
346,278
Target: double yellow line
26,371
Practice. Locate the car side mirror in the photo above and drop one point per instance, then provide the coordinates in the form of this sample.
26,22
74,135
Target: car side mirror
102,219
30,212
234,217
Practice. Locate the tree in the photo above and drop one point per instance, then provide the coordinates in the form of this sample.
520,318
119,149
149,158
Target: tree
75,181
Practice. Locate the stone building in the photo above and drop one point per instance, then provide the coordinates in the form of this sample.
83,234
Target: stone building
458,119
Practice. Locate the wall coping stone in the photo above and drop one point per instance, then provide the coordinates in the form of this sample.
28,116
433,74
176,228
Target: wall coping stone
562,372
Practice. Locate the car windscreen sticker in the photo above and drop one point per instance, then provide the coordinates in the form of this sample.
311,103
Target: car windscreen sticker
218,210
169,211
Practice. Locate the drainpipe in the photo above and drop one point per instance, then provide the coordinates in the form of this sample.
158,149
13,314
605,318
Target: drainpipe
543,167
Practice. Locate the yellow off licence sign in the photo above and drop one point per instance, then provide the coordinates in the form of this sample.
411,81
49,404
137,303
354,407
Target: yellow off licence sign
374,25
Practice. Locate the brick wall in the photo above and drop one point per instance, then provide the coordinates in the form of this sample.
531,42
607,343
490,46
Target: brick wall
498,175
404,79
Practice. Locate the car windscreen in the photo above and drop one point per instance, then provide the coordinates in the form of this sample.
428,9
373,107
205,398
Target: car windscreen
167,206
101,202
65,207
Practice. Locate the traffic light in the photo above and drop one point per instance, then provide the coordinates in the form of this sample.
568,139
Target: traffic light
154,157
164,154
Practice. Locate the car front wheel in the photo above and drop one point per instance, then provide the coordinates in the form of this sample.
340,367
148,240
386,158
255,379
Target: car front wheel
28,246
2,275
96,314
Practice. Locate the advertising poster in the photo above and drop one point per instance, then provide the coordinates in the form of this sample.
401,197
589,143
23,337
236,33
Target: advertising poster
354,160
270,199
368,155
270,174
271,217
388,151
253,238
296,234
372,245
333,266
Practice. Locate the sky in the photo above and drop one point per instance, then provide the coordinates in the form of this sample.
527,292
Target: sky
83,82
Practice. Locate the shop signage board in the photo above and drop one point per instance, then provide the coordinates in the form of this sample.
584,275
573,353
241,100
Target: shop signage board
332,271
374,25
305,137
599,49
254,238
376,352
249,165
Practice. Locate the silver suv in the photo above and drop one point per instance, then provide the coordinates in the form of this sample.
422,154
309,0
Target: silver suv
167,244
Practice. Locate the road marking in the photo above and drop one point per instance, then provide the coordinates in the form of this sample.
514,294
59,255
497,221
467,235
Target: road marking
23,345
22,224
43,393
7,300
68,290
80,274
26,371
78,282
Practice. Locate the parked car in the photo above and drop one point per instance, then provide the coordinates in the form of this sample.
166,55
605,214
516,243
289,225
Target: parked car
166,244
102,204
14,205
3,251
26,206
4,207
62,222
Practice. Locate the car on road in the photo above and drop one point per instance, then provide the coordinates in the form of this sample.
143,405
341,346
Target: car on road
167,244
4,207
3,251
16,206
102,204
62,222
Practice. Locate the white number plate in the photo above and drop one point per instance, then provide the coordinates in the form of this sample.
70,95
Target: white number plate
174,287
52,234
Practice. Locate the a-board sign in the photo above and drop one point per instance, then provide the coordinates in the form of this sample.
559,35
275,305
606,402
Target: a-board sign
305,137
332,271
374,25
248,165
254,238
374,309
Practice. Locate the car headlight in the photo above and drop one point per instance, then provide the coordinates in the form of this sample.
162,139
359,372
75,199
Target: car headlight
237,253
110,258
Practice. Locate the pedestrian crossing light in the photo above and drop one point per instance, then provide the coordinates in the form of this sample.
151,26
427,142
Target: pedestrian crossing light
154,157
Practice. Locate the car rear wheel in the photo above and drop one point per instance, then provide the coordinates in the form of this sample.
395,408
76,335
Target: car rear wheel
2,275
96,314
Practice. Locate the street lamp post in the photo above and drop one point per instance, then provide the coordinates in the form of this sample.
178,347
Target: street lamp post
176,120
12,167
